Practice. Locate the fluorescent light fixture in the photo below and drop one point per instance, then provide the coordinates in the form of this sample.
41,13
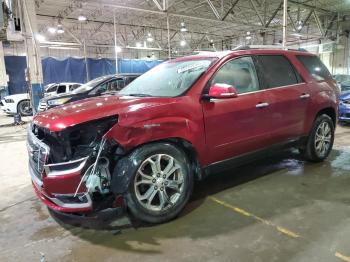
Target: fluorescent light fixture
183,29
40,37
138,44
52,30
150,39
248,37
182,42
82,18
117,49
63,47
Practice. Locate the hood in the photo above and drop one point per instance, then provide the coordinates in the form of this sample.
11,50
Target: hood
345,95
61,117
18,96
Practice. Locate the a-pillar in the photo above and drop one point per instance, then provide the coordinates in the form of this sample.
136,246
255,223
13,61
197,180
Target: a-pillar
35,78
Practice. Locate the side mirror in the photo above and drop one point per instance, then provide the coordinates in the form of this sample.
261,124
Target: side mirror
222,91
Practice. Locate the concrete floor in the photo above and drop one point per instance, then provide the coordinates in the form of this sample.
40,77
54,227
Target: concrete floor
280,209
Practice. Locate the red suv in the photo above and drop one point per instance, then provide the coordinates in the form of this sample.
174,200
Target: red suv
178,122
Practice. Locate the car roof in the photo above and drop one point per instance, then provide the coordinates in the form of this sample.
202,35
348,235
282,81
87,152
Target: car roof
242,51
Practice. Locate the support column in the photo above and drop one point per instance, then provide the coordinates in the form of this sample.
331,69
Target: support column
3,75
34,67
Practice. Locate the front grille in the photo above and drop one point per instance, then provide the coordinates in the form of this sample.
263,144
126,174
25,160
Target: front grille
42,106
38,153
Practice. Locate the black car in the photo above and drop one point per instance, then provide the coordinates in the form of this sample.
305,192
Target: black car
96,87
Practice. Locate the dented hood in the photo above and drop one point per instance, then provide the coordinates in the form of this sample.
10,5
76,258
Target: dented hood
61,117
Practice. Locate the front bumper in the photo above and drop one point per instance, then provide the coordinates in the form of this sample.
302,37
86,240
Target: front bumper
56,184
344,113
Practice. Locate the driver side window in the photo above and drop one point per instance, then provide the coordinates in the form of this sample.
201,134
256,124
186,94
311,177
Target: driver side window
239,73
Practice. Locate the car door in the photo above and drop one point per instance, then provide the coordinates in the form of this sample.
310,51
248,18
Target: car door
289,97
239,125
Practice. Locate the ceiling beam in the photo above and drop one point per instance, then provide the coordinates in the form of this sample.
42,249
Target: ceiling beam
230,10
213,8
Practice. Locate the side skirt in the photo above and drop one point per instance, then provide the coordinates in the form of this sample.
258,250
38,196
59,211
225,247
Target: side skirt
252,156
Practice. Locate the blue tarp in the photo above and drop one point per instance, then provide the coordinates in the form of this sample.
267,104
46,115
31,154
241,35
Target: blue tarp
71,69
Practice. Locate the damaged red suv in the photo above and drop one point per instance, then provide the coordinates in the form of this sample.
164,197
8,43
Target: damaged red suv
178,122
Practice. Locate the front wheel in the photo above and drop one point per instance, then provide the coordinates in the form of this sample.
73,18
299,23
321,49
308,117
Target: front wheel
321,138
24,108
161,183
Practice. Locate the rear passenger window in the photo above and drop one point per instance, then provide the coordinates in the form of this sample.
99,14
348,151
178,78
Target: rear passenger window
277,71
315,67
239,73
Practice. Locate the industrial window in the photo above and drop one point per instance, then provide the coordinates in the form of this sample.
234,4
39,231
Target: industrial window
315,67
277,71
240,73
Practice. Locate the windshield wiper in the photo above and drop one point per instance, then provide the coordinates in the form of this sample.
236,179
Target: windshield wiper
140,95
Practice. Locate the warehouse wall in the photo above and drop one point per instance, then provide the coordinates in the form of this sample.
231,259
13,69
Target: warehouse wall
71,69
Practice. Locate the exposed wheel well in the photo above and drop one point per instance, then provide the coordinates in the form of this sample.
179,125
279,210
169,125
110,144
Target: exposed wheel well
330,112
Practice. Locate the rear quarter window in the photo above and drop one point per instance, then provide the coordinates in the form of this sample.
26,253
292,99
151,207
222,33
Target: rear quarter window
315,67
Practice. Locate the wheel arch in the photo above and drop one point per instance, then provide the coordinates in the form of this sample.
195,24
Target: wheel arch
331,112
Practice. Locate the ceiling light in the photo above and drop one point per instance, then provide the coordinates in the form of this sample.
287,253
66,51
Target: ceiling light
248,33
40,37
82,18
248,37
117,49
300,27
150,38
182,42
138,44
60,29
183,27
52,30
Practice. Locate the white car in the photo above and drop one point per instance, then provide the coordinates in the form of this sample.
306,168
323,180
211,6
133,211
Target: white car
61,88
17,104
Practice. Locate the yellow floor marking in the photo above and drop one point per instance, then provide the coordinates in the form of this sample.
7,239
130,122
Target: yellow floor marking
266,222
246,213
342,257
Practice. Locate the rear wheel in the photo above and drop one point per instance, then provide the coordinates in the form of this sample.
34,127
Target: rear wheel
24,108
321,138
161,184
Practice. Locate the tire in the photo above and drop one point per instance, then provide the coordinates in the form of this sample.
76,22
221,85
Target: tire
321,139
24,108
153,196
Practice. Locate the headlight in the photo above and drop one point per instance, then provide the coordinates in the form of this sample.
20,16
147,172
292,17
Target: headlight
9,100
57,102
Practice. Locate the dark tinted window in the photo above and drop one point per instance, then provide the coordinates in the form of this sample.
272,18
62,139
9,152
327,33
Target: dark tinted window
73,87
61,89
239,73
315,67
277,71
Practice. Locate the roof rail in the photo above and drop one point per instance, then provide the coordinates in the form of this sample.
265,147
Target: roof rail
277,47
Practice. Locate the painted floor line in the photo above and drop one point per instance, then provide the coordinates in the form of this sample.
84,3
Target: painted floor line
283,230
280,229
342,257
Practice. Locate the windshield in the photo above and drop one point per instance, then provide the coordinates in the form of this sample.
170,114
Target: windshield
90,85
168,79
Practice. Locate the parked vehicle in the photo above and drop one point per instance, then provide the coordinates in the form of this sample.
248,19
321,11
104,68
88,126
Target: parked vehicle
61,88
345,86
344,107
178,122
17,104
96,87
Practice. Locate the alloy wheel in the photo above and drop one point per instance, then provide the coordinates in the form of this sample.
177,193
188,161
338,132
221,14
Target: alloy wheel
323,139
159,182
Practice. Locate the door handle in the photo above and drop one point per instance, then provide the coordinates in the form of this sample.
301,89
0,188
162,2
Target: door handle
304,96
262,105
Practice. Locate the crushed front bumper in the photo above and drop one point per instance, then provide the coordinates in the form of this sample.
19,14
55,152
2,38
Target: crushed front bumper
56,184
